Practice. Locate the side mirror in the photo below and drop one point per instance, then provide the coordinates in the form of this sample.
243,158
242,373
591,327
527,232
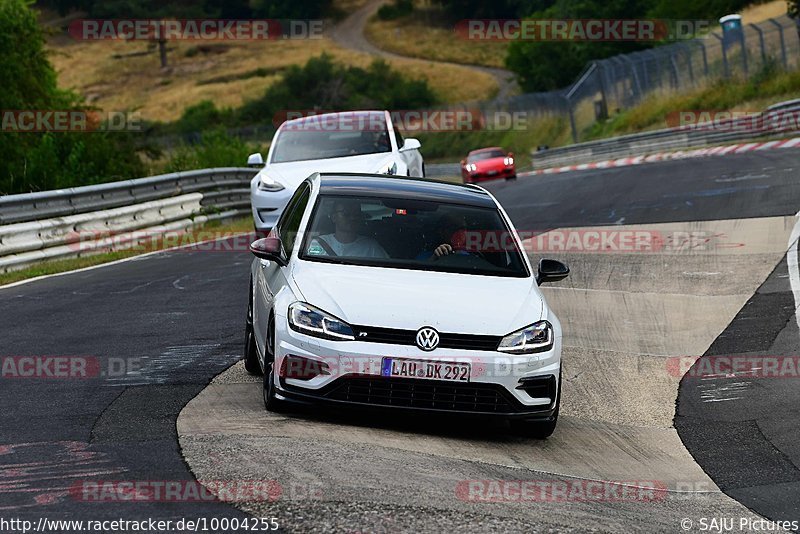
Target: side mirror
551,271
410,144
463,162
269,248
255,160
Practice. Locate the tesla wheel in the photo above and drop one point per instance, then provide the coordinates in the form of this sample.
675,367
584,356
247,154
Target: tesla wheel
271,402
251,363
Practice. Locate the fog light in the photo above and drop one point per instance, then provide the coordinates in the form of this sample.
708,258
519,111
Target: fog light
299,368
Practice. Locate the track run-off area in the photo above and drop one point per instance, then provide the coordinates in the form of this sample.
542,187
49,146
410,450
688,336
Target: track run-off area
720,279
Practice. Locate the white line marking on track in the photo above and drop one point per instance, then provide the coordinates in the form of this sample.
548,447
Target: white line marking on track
792,263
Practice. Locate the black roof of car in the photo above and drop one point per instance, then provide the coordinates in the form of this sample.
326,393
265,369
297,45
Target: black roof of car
379,185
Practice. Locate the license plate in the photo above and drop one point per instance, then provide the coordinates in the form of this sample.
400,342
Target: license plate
426,370
491,173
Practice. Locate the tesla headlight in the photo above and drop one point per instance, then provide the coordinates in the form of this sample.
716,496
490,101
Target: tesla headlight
265,183
537,337
391,169
315,322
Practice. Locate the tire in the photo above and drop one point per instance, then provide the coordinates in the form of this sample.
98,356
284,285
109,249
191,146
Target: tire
539,429
251,363
271,402
512,177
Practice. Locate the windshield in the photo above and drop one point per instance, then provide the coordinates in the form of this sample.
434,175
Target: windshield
488,154
320,141
412,234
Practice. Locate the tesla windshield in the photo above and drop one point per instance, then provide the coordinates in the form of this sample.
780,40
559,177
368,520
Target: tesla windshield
412,234
305,143
486,154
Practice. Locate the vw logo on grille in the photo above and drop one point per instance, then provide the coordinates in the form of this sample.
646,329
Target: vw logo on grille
427,338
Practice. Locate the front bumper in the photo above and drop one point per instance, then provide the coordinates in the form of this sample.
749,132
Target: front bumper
267,206
505,172
511,386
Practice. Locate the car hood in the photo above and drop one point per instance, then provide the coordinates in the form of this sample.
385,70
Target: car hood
292,173
409,299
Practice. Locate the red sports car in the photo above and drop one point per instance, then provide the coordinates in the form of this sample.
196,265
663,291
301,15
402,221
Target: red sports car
488,164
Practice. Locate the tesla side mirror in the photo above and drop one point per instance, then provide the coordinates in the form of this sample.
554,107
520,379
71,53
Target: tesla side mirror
269,248
411,144
255,160
551,271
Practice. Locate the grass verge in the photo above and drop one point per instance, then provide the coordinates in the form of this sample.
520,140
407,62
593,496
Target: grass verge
426,34
194,235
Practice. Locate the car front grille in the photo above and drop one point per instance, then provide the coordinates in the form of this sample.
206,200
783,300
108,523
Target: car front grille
395,336
424,394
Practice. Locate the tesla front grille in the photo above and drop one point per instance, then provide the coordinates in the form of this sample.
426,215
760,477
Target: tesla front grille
425,394
395,336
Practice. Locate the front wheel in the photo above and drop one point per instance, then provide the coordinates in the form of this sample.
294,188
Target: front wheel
271,402
512,177
251,363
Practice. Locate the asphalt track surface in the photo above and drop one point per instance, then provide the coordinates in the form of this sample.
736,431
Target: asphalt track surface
178,316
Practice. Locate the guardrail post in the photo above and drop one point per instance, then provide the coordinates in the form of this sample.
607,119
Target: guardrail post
783,43
724,54
760,42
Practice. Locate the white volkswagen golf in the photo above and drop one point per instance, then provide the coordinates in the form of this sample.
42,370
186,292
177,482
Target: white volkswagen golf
404,294
348,141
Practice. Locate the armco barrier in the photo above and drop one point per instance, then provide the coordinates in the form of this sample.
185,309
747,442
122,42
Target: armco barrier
47,225
646,143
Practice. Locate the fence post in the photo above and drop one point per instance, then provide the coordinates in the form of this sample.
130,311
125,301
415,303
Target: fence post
632,66
760,42
724,54
744,53
674,64
705,58
783,43
688,52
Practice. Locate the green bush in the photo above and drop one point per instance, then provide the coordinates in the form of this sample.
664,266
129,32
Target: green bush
215,149
39,161
395,10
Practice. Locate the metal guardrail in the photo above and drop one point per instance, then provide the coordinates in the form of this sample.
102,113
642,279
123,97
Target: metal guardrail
678,138
233,181
111,216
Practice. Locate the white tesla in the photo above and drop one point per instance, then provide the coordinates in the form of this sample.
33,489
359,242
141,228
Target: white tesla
350,141
403,294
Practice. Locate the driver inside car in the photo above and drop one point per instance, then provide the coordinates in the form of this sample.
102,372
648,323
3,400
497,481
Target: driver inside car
451,233
346,240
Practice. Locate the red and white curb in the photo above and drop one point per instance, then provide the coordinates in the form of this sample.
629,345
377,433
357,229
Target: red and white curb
664,156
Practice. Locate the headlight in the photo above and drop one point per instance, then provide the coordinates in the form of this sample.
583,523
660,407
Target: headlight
315,322
537,337
508,161
266,183
471,167
391,169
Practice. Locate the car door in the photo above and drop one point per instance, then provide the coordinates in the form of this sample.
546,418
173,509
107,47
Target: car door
271,277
